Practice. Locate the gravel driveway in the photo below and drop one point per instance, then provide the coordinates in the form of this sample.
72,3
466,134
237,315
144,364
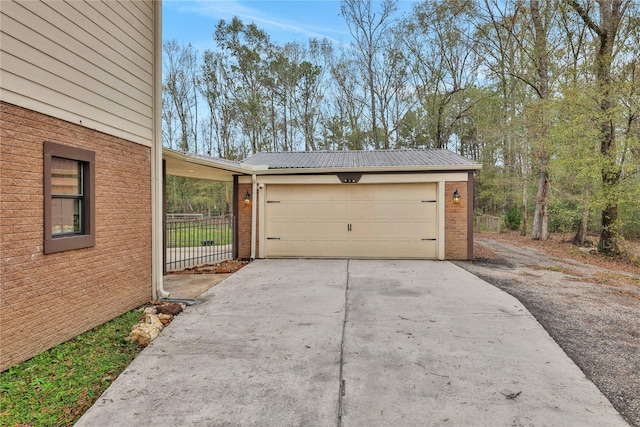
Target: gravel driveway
591,312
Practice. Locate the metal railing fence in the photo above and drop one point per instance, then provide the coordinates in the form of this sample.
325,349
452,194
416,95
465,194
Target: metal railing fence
196,239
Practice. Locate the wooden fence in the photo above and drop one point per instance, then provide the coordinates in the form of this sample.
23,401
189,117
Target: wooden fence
486,223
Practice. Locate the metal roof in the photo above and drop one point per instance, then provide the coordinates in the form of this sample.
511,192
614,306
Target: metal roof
192,165
362,159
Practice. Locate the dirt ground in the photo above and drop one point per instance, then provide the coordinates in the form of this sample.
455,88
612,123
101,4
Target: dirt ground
589,304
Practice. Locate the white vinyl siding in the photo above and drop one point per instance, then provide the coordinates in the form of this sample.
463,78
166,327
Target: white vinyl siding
87,62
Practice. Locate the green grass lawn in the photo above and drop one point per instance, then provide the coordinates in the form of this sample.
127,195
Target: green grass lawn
194,236
57,386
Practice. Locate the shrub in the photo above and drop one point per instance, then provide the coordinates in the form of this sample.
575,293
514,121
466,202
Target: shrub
512,218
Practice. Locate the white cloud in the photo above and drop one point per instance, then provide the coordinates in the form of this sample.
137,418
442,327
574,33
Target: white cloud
272,21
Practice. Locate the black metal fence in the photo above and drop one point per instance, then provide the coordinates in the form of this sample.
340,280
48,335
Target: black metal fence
194,239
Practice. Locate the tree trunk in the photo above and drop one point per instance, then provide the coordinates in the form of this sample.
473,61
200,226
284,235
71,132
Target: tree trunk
610,15
608,236
541,215
523,229
581,233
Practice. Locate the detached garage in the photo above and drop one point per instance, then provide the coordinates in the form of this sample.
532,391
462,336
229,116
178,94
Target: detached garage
356,204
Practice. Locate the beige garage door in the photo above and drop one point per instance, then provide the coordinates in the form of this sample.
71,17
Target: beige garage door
351,220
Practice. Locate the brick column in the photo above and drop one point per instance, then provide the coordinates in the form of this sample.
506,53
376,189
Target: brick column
455,224
244,222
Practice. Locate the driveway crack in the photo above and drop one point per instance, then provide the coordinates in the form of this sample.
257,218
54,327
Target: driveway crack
342,383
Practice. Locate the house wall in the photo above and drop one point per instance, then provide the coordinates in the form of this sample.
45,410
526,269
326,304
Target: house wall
456,221
86,62
47,299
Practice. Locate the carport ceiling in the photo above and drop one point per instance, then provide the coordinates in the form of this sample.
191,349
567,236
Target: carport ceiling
177,167
190,165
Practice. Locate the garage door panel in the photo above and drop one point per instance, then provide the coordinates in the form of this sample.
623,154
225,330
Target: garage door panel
360,230
383,211
338,192
360,210
429,192
360,192
430,247
298,247
410,230
277,210
277,247
313,230
276,229
377,220
359,247
393,210
382,230
317,248
339,248
424,210
339,210
337,229
297,209
318,210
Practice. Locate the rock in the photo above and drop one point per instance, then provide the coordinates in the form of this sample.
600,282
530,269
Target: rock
588,250
150,310
171,308
144,333
153,319
165,318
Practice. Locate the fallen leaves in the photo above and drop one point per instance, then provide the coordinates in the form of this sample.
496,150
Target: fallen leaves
225,267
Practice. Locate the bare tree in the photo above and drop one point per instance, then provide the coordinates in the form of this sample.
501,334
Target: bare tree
369,29
249,47
445,62
216,88
179,86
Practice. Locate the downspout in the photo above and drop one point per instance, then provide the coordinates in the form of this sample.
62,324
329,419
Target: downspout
254,211
157,182
236,202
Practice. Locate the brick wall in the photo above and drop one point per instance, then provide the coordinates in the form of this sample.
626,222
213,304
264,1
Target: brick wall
47,299
244,223
455,224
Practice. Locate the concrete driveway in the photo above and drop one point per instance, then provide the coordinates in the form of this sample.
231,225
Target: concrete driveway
353,343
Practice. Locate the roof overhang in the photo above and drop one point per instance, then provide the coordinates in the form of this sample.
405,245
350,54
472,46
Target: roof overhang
190,165
369,169
199,167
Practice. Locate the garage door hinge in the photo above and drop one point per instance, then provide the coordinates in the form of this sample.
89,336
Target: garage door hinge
273,238
428,201
433,239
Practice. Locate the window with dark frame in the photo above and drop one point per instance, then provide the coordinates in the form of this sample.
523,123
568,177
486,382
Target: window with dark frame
68,198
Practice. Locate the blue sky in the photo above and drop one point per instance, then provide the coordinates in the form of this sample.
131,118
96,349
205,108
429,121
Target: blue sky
194,21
